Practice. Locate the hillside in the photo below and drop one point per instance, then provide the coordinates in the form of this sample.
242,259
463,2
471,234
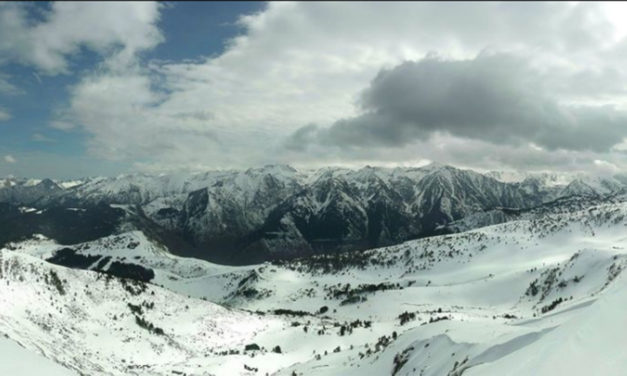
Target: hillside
480,302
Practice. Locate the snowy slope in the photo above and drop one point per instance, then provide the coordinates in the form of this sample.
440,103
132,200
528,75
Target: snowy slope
99,325
17,361
591,343
512,298
577,258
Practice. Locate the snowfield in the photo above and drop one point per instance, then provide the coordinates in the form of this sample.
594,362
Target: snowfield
17,361
540,295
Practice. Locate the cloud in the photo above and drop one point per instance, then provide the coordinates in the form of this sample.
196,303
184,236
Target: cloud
39,137
497,98
40,163
461,152
9,159
46,38
498,76
7,88
605,168
46,43
4,115
62,125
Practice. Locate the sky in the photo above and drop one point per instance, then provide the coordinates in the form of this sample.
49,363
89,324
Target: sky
104,88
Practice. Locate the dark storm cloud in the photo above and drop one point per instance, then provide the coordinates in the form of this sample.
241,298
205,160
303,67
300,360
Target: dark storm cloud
496,98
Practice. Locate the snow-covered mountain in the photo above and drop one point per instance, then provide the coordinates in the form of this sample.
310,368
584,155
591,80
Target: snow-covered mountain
243,217
27,191
541,294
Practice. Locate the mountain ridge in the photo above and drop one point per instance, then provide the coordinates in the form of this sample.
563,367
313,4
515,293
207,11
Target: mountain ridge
276,211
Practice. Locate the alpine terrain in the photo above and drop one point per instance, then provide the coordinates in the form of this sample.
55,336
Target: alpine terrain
313,188
276,271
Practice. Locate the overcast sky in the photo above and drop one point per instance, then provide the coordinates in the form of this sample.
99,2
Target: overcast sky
105,88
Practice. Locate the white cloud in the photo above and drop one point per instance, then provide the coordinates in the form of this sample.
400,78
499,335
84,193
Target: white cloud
62,125
39,137
124,27
605,168
7,88
116,30
301,63
9,159
4,115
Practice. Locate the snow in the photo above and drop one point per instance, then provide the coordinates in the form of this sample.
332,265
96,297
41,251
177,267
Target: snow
546,178
7,182
244,184
32,182
92,317
66,184
480,281
590,343
17,361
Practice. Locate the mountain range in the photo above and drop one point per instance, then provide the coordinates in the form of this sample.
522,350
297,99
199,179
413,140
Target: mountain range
278,212
541,293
